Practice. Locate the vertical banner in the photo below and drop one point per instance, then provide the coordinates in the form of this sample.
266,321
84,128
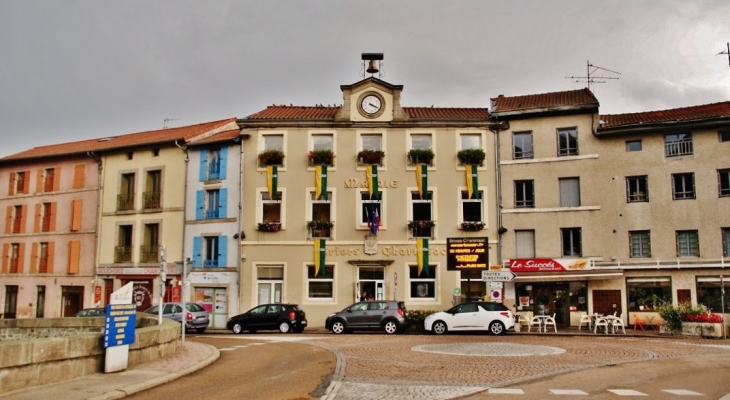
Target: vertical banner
371,172
373,218
422,180
320,181
272,181
422,254
472,182
319,255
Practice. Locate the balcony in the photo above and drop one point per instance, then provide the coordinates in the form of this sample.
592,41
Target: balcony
125,201
148,253
211,214
210,263
214,170
123,254
678,148
152,200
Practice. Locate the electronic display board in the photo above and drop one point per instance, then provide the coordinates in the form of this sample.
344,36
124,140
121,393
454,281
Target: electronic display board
468,253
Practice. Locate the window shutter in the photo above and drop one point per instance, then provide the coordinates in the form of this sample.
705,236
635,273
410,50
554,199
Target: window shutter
223,161
203,165
23,217
39,181
11,184
79,176
76,207
197,249
56,179
199,205
569,192
9,220
38,218
33,258
26,182
525,244
222,250
51,255
6,250
222,203
21,257
52,225
74,254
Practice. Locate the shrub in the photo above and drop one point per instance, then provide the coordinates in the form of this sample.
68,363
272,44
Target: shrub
420,156
685,312
415,318
370,156
471,156
472,226
321,157
271,157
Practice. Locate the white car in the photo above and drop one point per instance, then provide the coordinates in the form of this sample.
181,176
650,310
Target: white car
495,318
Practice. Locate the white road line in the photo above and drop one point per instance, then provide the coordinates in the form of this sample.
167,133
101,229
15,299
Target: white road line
505,391
241,346
227,349
682,392
282,338
626,392
568,392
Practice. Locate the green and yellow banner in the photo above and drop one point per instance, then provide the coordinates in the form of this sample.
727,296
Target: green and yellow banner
272,181
320,181
319,255
472,181
422,180
422,255
371,172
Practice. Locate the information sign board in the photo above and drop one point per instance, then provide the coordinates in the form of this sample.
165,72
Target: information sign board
120,322
498,276
467,253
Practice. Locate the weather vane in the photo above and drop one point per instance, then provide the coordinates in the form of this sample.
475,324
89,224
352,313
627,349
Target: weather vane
726,52
590,78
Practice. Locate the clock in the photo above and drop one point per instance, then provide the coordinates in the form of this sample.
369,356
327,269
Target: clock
371,105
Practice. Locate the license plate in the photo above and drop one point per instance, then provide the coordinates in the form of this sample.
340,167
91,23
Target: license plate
304,322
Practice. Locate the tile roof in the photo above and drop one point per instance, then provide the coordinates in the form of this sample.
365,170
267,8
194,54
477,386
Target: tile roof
168,135
282,112
545,100
693,113
446,113
225,136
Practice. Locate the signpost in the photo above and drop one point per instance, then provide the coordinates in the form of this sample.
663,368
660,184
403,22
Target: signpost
119,328
498,276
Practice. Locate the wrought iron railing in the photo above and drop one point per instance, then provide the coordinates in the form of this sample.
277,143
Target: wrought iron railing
122,254
125,201
152,199
148,253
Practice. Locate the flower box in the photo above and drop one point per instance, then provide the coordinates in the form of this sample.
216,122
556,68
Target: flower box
321,157
421,228
472,226
471,156
269,226
320,229
271,157
700,329
420,156
370,156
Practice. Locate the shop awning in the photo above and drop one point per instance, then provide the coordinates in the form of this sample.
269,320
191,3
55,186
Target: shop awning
569,276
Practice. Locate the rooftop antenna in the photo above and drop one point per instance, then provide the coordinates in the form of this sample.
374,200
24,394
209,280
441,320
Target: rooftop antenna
590,78
372,63
164,125
726,52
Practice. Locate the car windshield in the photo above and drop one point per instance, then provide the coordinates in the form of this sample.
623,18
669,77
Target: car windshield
152,310
194,307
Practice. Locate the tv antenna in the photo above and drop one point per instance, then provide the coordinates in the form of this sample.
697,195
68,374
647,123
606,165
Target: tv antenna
591,78
726,52
166,120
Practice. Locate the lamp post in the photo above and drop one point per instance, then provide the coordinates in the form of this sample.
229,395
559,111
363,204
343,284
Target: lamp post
163,277
184,295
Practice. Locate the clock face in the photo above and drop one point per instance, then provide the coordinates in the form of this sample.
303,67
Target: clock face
371,104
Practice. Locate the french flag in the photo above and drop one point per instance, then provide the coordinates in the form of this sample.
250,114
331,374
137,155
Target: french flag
373,219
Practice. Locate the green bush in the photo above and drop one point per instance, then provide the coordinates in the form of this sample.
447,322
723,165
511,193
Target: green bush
674,316
414,319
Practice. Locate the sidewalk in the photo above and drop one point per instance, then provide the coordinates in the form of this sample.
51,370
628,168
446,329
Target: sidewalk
186,360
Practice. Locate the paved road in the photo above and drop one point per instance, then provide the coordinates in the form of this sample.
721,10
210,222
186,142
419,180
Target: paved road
377,366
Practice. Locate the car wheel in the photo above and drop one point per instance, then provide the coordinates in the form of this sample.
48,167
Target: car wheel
237,328
496,328
284,327
338,327
200,330
439,327
390,327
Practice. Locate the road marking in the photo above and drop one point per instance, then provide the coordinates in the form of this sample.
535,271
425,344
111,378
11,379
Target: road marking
568,392
227,349
241,346
682,392
281,338
626,392
505,391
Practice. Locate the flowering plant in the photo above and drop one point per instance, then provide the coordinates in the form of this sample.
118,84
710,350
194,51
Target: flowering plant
705,317
321,157
370,156
421,224
269,226
271,157
471,156
420,156
472,226
320,224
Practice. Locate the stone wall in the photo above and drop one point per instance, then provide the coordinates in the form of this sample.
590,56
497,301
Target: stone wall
43,351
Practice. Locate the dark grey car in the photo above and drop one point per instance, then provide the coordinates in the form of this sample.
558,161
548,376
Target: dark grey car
196,316
387,315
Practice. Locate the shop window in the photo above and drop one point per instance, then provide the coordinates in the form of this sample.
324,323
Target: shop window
522,145
322,286
646,293
637,189
578,295
423,286
678,144
569,192
683,186
571,241
525,194
567,142
472,286
710,292
640,244
688,243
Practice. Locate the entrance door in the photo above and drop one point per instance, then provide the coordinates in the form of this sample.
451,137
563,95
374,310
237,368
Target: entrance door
214,301
371,280
552,299
607,302
269,291
72,298
11,301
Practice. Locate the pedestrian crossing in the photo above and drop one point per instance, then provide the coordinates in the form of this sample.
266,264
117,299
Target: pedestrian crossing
578,392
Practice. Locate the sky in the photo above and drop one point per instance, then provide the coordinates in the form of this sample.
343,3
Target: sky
81,69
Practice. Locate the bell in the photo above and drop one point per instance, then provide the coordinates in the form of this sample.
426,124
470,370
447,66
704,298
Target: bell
372,68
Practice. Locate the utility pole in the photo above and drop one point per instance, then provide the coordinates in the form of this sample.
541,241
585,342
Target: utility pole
184,295
163,277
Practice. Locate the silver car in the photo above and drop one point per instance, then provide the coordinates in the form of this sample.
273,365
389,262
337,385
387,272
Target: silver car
196,316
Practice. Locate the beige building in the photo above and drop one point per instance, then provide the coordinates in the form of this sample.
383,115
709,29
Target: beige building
282,223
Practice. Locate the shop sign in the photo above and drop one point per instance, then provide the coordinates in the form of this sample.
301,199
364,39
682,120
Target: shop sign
210,277
548,264
467,253
171,270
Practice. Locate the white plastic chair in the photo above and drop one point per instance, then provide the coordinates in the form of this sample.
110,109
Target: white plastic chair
600,322
550,321
617,324
585,318
535,321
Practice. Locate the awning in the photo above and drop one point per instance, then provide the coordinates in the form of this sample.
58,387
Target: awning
568,276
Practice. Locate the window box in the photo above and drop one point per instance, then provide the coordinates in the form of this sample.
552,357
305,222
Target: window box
701,329
321,157
370,156
472,226
271,157
420,156
320,229
421,228
471,156
269,226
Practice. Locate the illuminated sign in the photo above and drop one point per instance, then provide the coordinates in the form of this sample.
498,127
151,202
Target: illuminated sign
120,322
547,264
467,253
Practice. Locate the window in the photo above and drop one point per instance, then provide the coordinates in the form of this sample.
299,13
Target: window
422,223
322,286
16,254
688,243
123,250
678,144
273,142
210,251
726,242
320,224
524,244
270,281
471,209
567,142
371,141
19,183
647,293
683,186
420,144
125,200
77,206
322,144
49,180
322,141
724,135
633,145
421,141
522,145
709,292
153,190
155,152
571,238
723,181
48,217
271,210
40,301
524,194
472,286
569,192
211,204
148,250
371,210
422,287
470,141
43,258
639,244
637,189
11,301
213,164
18,225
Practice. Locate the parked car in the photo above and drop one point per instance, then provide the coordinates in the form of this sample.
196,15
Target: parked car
265,317
389,316
91,312
494,318
196,316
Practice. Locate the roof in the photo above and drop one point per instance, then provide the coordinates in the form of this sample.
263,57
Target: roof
283,112
544,101
225,136
693,113
168,135
446,113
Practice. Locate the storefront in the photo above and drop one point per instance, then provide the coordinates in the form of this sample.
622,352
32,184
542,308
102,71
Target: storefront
212,291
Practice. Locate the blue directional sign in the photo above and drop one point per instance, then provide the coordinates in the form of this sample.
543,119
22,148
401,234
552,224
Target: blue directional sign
120,322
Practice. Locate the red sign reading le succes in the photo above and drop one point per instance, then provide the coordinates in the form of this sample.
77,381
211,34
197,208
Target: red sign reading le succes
547,264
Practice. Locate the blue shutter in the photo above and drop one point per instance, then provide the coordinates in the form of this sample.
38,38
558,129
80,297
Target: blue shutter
223,161
203,166
222,203
199,205
197,249
222,250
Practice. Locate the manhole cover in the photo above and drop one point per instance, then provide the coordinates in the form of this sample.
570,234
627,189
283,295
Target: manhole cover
489,349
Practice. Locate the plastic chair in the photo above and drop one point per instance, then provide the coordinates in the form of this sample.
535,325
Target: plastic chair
550,321
600,321
639,323
617,324
525,319
585,318
535,321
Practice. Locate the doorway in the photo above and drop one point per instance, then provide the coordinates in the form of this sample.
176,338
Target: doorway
370,280
72,298
552,299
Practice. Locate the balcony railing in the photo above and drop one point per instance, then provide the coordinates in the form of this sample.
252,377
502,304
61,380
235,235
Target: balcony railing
125,201
678,148
211,214
210,263
123,254
148,253
152,199
214,170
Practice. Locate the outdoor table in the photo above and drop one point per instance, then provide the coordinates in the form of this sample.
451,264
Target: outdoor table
649,321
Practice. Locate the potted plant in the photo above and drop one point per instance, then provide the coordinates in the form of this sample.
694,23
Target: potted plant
472,226
471,156
269,226
320,228
421,228
370,156
420,156
271,157
321,157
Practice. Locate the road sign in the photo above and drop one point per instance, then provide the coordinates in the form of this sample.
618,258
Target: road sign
498,276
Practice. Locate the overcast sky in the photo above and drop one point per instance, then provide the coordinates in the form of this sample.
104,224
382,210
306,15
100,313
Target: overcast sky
76,69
